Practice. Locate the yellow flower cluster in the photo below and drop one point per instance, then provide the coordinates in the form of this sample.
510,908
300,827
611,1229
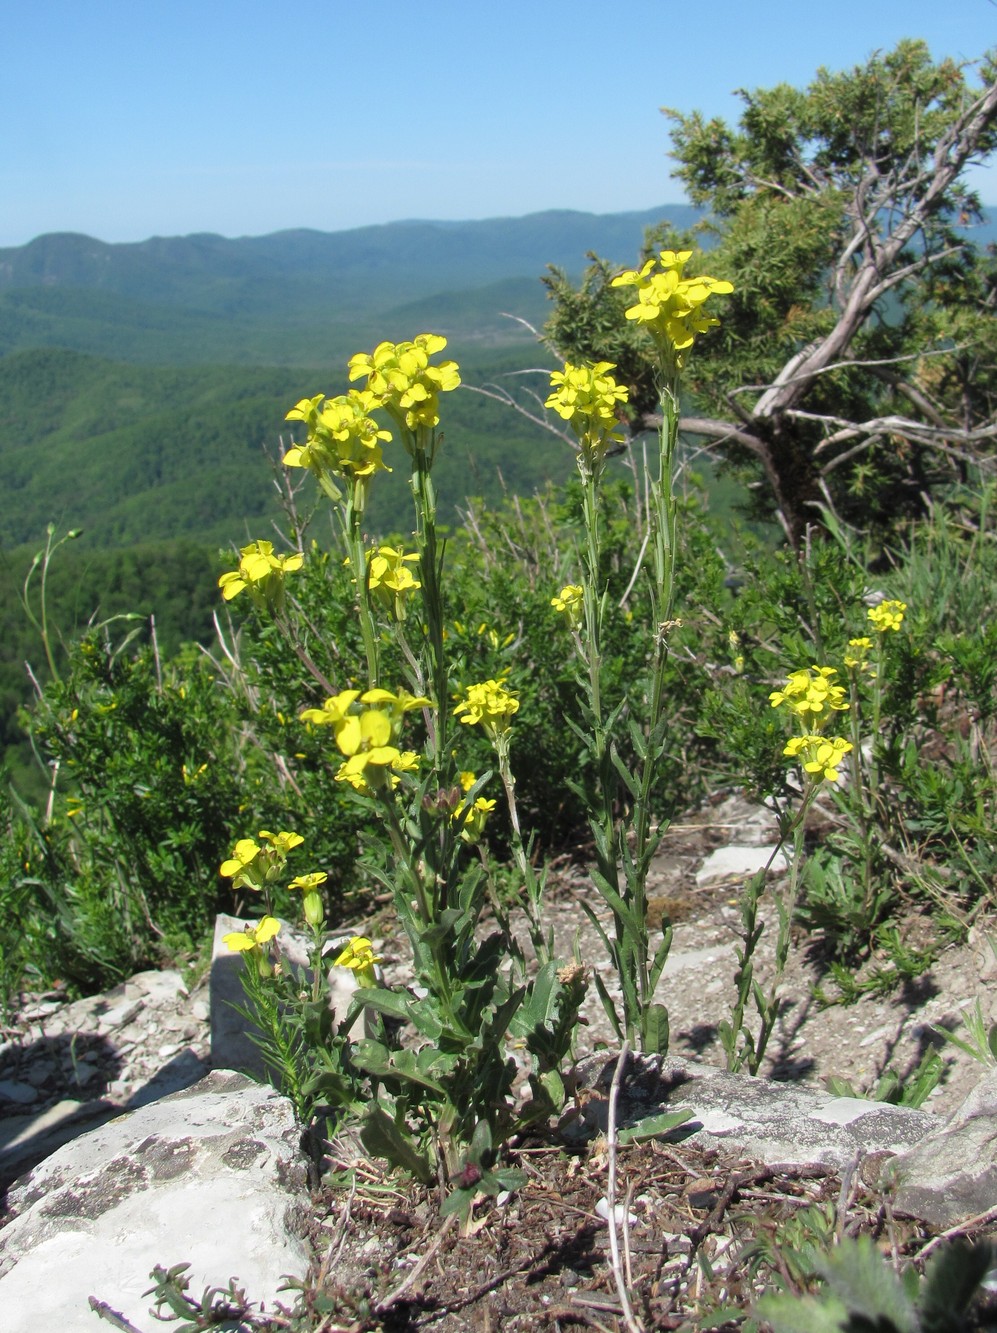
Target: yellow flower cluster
390,578
359,957
811,695
806,693
887,615
819,755
257,865
259,569
589,399
366,727
251,941
401,380
472,820
490,704
856,655
570,601
343,438
668,304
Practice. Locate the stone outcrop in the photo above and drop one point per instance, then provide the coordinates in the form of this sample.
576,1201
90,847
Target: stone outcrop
951,1174
212,1176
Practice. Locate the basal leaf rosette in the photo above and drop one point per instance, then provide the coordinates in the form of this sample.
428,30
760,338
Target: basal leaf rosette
367,727
669,305
401,379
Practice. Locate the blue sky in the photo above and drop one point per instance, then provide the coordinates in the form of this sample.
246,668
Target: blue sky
125,119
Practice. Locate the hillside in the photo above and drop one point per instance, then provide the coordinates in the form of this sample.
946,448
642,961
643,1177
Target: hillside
149,453
297,297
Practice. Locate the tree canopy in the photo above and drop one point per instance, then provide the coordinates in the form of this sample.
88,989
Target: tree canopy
856,362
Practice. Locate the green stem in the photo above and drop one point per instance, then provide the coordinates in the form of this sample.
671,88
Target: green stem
353,522
422,449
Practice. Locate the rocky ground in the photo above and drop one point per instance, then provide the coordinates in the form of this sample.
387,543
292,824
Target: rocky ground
66,1066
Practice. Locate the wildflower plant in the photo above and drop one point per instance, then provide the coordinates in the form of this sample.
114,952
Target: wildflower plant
669,308
444,1106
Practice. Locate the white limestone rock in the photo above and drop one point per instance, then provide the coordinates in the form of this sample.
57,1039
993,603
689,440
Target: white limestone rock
212,1176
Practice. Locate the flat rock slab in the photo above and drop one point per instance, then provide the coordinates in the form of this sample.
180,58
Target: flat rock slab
766,1121
212,1176
952,1174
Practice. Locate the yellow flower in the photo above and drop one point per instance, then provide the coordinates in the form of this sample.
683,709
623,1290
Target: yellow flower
243,855
342,436
252,866
589,399
570,600
855,654
308,883
253,936
366,734
360,958
311,901
472,820
403,382
668,304
808,693
390,579
259,570
887,615
490,704
820,755
251,940
282,843
336,709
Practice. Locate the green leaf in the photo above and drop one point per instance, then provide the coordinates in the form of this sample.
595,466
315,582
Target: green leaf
794,1314
951,1281
382,1138
608,1005
860,1277
655,1026
395,1004
654,1125
373,1058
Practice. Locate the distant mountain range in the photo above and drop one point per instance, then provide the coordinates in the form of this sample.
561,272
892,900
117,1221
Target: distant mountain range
298,297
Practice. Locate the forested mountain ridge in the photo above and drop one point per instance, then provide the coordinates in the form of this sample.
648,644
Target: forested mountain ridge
397,261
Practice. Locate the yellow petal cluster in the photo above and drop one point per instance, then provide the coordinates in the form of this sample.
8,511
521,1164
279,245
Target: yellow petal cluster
367,727
811,692
390,579
258,568
472,819
589,399
670,305
256,865
253,937
359,957
401,380
343,438
489,704
887,615
820,755
856,655
570,601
